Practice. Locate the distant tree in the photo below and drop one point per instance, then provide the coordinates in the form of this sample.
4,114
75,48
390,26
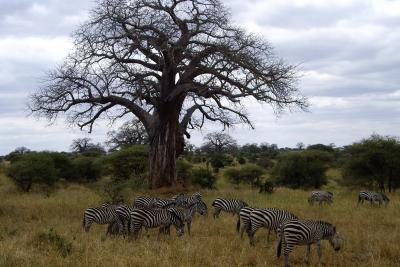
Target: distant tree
172,64
130,133
321,147
17,154
300,146
217,142
33,168
374,161
302,169
86,147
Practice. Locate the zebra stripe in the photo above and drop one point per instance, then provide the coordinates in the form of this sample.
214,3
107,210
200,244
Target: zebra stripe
184,201
227,205
102,215
187,214
372,197
269,218
306,232
244,217
152,202
151,218
320,196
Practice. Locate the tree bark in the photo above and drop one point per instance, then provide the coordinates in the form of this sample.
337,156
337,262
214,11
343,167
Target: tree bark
165,145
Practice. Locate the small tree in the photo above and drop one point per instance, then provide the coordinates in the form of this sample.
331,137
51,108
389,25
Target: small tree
204,178
302,169
218,142
130,133
84,146
248,173
33,168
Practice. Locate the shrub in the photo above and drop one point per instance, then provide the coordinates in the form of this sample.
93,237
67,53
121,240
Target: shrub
33,168
183,169
204,178
266,187
248,173
302,169
86,168
241,160
54,240
129,161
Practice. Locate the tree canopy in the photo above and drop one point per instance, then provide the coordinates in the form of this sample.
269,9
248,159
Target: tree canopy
172,64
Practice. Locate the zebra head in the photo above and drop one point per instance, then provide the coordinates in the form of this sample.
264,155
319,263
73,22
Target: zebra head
201,208
177,222
335,240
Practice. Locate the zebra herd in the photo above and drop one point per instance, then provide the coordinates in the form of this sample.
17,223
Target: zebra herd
152,212
147,212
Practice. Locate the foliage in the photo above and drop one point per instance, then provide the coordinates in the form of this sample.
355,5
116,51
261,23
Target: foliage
373,162
17,154
56,241
129,161
204,178
248,173
84,146
86,169
217,142
241,160
130,133
33,168
266,187
302,169
184,169
321,147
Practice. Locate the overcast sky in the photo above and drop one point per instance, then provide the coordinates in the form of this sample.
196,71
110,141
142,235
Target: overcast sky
347,52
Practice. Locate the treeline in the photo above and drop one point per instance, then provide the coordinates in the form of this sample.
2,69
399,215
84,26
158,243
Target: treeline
373,162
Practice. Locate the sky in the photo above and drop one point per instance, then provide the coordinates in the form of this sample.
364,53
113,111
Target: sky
347,53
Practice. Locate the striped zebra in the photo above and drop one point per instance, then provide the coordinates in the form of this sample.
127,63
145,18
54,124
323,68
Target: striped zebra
106,214
228,205
372,197
152,202
152,218
187,213
301,232
270,218
320,196
244,217
182,200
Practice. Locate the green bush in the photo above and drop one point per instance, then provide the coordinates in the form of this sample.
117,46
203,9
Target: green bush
54,240
129,162
302,169
33,168
183,169
241,160
248,173
204,178
86,169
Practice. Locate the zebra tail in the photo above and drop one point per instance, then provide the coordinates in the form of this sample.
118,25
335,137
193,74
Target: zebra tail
279,248
213,204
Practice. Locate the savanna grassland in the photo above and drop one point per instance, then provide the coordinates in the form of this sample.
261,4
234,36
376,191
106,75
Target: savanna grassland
371,234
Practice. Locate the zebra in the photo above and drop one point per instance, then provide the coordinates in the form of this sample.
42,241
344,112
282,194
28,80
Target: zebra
306,232
244,216
269,218
151,218
183,201
187,213
152,202
320,196
372,196
105,214
228,205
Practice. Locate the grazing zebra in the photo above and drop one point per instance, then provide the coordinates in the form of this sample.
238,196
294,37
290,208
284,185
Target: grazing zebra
372,197
228,205
184,201
105,214
244,216
300,232
269,218
187,213
152,202
320,196
151,218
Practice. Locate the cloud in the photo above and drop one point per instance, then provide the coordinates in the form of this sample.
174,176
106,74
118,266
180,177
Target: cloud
346,53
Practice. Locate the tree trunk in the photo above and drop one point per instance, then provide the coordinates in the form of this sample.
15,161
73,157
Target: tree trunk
165,142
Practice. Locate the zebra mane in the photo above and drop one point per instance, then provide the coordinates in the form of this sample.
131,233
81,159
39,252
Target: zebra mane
172,211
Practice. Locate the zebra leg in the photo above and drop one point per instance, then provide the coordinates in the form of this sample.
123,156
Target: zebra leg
242,230
319,250
251,237
188,223
308,254
216,213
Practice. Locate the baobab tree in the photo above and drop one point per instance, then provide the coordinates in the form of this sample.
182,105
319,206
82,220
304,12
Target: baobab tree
130,133
172,64
219,142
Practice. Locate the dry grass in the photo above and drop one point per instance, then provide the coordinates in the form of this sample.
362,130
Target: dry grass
371,233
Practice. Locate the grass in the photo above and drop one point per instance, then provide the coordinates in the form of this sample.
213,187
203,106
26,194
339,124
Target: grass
36,231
